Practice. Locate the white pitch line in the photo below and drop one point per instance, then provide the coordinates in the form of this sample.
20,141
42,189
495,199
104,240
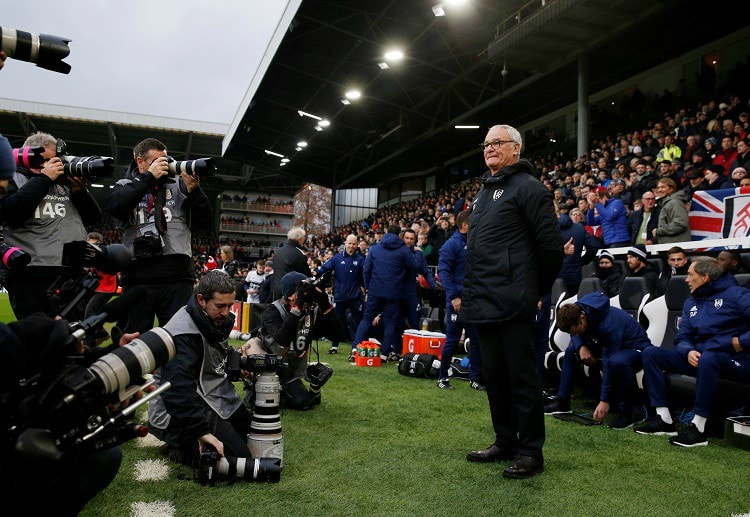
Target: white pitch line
152,509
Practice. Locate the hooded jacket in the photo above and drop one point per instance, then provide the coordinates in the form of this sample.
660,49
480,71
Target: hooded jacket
674,220
514,247
387,266
712,315
614,330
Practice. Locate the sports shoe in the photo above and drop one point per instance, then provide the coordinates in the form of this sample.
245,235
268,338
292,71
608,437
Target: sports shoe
657,427
477,386
623,421
445,384
393,357
383,358
556,406
352,356
689,436
333,350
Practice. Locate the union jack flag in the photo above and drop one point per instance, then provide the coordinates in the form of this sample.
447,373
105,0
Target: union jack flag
720,214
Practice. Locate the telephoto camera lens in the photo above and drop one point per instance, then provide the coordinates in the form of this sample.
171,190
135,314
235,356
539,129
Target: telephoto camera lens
45,50
29,157
212,468
141,356
89,167
200,166
265,439
13,257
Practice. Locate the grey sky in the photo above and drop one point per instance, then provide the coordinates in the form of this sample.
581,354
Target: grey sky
190,59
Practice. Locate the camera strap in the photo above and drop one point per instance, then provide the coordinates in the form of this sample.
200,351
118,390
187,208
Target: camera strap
160,218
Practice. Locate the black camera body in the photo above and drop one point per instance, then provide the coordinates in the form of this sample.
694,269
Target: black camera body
68,407
147,245
72,290
318,374
323,281
256,363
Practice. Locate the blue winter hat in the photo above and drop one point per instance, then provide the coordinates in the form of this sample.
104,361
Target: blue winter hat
289,283
7,162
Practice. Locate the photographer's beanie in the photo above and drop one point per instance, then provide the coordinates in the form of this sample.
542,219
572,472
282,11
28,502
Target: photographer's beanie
289,283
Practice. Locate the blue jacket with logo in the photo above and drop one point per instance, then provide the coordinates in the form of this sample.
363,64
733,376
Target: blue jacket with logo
387,265
451,266
347,275
712,315
410,283
613,328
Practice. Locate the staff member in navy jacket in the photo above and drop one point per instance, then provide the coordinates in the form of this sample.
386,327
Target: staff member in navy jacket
384,274
348,284
712,342
411,305
451,274
597,328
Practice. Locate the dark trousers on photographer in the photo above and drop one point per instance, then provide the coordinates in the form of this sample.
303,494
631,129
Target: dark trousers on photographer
514,391
27,290
231,432
161,300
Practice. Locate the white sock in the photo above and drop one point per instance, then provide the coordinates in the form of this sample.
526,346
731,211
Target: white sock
664,414
700,423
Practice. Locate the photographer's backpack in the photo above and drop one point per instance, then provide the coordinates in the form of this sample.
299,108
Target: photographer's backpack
426,366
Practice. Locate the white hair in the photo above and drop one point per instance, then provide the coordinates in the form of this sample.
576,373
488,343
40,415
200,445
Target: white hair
296,233
513,133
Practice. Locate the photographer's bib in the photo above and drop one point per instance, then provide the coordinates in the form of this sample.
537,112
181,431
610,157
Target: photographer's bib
176,240
55,222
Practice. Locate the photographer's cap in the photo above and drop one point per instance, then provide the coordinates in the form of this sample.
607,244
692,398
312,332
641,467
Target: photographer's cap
7,162
289,283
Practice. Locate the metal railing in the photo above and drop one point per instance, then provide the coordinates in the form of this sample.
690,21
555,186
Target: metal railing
270,208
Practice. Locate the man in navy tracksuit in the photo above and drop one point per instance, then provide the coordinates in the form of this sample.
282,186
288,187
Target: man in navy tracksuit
597,328
451,274
348,284
384,272
411,305
712,342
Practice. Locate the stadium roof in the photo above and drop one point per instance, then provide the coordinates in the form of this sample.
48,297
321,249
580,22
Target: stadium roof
403,123
451,73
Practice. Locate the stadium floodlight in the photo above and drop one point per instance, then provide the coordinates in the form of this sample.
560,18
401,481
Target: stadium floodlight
306,114
271,153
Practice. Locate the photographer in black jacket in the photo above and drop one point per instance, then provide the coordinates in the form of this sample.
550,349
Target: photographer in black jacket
42,210
288,326
201,407
155,211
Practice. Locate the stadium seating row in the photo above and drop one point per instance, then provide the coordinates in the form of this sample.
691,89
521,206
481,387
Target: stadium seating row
659,316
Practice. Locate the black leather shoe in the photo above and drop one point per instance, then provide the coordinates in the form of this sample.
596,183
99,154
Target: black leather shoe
490,454
523,467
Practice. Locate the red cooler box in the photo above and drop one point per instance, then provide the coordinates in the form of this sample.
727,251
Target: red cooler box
423,342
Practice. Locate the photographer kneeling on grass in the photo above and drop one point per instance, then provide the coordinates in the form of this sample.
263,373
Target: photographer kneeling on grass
202,408
288,327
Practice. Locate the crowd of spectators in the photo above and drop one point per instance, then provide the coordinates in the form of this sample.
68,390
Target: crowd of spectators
700,147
